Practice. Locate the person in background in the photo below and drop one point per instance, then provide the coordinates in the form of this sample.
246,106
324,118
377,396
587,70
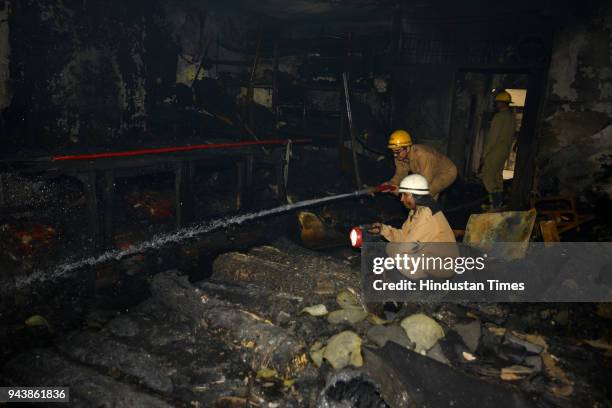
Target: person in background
497,149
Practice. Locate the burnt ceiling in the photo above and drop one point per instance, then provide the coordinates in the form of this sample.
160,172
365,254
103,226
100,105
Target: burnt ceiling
296,10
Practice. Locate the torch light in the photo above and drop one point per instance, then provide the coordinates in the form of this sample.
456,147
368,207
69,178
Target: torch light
356,236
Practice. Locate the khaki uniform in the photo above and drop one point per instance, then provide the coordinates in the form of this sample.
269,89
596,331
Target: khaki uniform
438,169
422,227
497,149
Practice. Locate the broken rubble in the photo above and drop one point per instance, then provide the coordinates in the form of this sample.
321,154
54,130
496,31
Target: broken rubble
261,342
381,334
423,331
316,310
512,340
344,349
350,388
350,316
470,333
408,379
96,350
206,339
437,354
88,388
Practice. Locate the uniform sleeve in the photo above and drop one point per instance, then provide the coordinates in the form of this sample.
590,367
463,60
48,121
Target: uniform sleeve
425,167
395,234
422,228
419,229
401,171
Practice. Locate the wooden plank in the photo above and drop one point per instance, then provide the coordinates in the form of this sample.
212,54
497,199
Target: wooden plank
549,232
267,266
564,212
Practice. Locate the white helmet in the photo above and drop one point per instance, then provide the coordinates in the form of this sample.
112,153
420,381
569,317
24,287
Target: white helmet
415,184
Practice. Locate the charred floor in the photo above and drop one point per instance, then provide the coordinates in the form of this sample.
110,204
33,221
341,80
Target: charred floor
189,190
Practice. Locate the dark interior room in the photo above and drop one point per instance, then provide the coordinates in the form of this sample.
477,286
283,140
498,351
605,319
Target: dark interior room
306,203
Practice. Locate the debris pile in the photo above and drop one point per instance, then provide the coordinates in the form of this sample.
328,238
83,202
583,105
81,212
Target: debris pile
264,331
153,204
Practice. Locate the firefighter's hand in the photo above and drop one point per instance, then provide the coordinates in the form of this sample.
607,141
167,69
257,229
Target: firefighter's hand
372,191
387,187
375,228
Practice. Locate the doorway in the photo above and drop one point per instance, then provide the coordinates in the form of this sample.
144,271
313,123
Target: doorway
473,111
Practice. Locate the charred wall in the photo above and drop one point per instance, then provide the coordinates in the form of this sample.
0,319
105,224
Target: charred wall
422,102
211,31
92,73
196,36
5,51
575,152
76,71
434,93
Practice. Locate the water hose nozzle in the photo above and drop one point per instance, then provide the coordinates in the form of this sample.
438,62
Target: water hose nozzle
385,188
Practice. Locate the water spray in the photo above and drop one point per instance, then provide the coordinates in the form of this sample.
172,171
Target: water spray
161,240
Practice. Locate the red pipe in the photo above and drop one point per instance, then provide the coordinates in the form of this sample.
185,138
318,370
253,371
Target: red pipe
177,149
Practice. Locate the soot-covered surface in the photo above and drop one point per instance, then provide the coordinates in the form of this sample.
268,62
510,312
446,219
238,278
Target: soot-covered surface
241,338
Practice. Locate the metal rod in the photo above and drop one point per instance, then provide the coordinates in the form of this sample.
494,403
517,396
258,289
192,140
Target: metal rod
351,130
176,149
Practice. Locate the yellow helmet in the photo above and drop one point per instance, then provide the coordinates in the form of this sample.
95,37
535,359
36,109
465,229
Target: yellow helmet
399,138
503,96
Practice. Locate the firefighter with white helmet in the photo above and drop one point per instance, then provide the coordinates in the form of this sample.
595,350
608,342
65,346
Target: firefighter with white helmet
425,223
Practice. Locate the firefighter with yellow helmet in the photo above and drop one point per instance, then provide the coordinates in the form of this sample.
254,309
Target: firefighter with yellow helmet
438,169
497,149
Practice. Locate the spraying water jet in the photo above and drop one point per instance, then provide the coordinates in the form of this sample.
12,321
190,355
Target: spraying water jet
161,240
